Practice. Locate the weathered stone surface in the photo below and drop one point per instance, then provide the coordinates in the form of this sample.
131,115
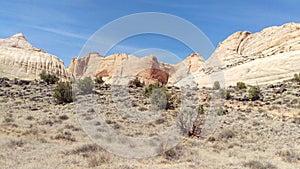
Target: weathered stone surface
264,57
120,68
19,59
193,64
268,56
242,47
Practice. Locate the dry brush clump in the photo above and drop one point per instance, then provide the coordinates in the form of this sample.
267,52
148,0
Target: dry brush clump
95,155
241,85
86,148
289,156
226,134
63,92
136,82
85,85
48,78
160,98
225,94
253,164
15,143
297,77
99,159
254,93
216,85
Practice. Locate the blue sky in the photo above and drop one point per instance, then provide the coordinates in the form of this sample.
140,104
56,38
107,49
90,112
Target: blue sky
63,27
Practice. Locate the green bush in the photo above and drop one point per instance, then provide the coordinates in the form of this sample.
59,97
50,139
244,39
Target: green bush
241,85
221,111
63,92
48,78
297,77
136,82
148,90
159,97
216,85
225,94
85,85
99,80
254,93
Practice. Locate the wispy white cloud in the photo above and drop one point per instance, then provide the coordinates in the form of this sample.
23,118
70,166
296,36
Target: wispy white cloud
59,32
127,48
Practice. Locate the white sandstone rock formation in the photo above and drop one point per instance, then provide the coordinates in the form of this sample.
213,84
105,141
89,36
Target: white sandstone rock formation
19,59
263,57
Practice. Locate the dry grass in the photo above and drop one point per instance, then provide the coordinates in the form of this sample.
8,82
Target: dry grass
259,165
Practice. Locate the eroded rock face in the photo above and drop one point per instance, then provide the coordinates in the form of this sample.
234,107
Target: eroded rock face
120,68
19,59
242,47
263,57
193,64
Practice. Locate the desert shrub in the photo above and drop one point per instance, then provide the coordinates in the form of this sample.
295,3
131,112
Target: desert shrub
225,94
85,85
254,93
259,165
289,156
148,90
8,120
16,143
216,85
65,136
87,148
99,159
173,154
221,111
226,134
48,78
99,80
241,85
200,109
29,117
136,82
160,98
63,92
228,95
297,77
63,117
194,131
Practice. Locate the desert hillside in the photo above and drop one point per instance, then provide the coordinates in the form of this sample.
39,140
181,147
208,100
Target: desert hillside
36,131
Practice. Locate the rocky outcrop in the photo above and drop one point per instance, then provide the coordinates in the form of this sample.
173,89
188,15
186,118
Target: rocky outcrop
193,64
19,59
242,47
120,68
263,57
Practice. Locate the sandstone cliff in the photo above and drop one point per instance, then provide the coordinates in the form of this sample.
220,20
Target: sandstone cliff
19,59
242,47
264,57
120,67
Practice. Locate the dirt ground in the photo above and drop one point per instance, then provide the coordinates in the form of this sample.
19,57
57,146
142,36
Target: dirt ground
36,132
